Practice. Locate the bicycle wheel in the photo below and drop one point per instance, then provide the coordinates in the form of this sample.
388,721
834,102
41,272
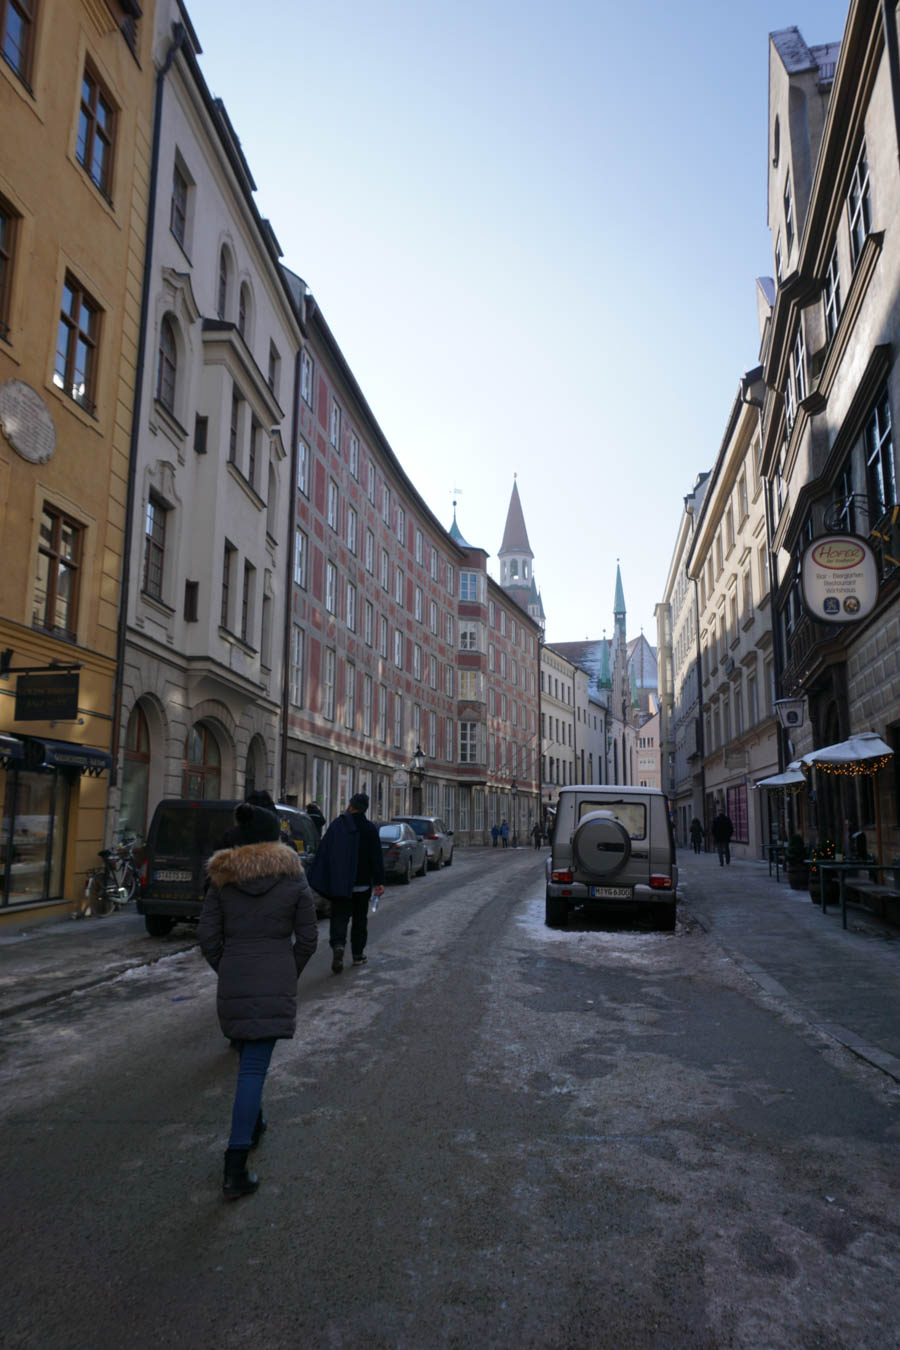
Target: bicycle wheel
127,877
101,895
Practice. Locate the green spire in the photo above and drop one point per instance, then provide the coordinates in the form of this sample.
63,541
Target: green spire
455,533
619,602
605,680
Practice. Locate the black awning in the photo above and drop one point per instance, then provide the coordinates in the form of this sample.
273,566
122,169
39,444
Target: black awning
67,755
10,748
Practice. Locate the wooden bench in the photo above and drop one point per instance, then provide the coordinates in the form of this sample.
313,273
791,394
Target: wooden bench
876,897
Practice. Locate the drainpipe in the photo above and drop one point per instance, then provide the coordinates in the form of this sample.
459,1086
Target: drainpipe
289,584
701,748
888,14
179,35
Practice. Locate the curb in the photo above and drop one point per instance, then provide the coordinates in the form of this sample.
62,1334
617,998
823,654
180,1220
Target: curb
41,1000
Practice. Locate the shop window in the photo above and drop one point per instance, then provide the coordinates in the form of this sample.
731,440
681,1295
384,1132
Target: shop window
33,835
202,767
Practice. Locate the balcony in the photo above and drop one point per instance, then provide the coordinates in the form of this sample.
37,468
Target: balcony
808,642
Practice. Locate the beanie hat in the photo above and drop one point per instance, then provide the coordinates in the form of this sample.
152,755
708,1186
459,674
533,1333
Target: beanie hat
257,825
261,798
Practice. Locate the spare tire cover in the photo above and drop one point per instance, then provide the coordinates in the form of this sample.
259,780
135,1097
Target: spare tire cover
601,844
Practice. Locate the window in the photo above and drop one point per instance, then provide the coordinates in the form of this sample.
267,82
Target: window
398,720
201,431
468,585
222,287
331,588
332,513
881,478
503,623
370,482
448,745
75,371
401,525
328,685
433,616
191,601
432,672
743,502
298,644
96,132
398,649
418,604
832,294
788,215
748,594
335,424
420,547
352,525
274,369
354,454
243,309
369,623
382,713
385,503
471,685
55,605
468,742
17,33
859,205
247,597
350,697
468,637
178,206
234,431
382,636
779,266
451,579
798,365
167,365
351,606
154,547
299,558
451,631
398,585
432,740
385,570
303,467
449,678
8,227
417,661
367,706
227,564
307,368
253,451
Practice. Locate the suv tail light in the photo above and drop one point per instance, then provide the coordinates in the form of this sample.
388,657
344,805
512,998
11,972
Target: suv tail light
659,882
563,878
429,836
145,871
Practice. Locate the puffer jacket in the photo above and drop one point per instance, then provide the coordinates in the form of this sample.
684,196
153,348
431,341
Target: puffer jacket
257,930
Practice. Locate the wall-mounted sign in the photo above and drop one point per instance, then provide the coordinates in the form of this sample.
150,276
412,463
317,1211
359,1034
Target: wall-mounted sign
47,698
839,577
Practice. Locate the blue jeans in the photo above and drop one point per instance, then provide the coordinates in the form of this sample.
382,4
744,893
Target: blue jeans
254,1065
342,911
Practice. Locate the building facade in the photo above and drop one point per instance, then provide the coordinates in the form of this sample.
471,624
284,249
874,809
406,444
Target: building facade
76,107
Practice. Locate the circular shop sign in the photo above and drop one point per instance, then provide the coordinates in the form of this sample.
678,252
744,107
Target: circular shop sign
839,577
26,422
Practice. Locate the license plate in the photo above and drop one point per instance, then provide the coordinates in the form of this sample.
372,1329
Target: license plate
169,875
612,893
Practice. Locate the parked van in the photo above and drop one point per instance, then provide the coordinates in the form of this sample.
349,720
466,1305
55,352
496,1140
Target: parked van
182,837
613,848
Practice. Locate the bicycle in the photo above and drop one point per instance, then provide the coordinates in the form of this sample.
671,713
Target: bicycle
124,866
102,892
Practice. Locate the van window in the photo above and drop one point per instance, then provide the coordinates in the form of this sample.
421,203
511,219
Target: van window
633,815
190,831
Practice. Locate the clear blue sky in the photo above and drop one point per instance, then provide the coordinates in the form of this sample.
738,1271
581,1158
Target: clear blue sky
534,231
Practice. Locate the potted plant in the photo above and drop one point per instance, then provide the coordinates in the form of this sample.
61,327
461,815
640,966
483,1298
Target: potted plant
824,849
795,864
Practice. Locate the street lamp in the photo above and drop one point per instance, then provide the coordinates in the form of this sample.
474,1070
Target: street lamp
417,769
514,793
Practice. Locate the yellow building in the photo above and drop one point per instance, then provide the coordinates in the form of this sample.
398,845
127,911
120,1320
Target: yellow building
76,106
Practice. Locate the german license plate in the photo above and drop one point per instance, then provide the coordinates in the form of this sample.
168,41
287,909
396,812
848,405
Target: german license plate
612,893
169,875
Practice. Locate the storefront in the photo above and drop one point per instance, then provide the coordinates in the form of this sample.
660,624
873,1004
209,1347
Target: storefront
40,783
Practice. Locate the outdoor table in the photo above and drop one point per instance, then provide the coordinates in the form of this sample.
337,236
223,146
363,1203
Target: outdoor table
842,868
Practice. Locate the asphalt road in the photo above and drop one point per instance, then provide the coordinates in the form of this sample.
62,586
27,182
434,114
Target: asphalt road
493,1134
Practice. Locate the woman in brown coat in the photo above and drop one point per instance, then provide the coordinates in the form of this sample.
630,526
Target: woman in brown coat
257,931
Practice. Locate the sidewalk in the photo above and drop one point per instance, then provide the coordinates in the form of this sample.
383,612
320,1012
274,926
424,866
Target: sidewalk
847,983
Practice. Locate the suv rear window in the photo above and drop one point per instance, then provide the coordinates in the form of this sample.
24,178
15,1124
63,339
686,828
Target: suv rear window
183,832
633,815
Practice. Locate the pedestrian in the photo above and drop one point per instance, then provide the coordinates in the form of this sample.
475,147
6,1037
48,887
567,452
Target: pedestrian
314,811
495,834
537,834
696,832
722,830
347,869
504,832
257,930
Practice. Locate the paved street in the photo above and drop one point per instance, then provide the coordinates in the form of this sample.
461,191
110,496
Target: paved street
494,1134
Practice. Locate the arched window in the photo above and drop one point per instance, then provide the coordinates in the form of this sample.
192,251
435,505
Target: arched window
513,568
202,768
167,367
243,309
222,293
272,502
135,774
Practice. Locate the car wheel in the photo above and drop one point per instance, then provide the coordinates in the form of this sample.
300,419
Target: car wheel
665,919
158,925
407,875
435,863
556,912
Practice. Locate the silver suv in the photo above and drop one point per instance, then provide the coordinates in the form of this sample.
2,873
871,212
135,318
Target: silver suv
612,848
438,839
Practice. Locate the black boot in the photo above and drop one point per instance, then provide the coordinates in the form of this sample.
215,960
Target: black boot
237,1181
259,1129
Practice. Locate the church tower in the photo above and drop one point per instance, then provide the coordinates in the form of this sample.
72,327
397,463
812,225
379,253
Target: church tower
516,561
621,691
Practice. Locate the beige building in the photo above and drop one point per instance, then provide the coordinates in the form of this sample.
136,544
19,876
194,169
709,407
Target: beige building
648,753
728,560
832,388
76,100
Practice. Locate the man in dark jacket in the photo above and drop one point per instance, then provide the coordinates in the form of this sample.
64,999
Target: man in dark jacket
722,830
314,811
347,867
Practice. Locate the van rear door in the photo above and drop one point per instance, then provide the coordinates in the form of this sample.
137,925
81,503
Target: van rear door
183,835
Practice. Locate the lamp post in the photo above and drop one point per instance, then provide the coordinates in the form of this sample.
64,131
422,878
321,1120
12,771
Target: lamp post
514,793
417,769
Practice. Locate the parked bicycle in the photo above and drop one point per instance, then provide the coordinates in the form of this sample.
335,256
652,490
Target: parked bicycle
125,866
103,889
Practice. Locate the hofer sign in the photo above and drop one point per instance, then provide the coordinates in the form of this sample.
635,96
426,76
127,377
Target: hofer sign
839,577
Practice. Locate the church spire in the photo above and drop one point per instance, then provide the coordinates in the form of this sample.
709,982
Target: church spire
619,602
516,559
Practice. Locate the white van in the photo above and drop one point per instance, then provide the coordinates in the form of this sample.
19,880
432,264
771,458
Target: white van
612,848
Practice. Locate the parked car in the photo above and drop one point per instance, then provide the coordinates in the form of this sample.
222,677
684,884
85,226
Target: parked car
404,852
438,839
612,848
182,837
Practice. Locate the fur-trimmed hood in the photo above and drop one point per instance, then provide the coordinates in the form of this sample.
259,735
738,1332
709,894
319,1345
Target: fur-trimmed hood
253,863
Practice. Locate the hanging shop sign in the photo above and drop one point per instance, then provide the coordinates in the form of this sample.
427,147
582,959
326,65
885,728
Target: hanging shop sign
790,711
839,577
47,698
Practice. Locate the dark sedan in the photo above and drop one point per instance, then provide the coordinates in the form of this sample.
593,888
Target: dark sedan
404,852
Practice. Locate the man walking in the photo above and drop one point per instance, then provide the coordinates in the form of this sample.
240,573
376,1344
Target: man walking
722,830
348,868
537,834
504,833
696,830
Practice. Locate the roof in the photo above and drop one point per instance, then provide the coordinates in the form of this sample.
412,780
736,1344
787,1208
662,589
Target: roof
455,532
595,656
515,536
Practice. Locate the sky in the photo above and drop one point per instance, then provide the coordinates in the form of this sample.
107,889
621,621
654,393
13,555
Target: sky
535,233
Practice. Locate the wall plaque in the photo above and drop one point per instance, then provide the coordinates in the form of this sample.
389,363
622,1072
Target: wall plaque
26,422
